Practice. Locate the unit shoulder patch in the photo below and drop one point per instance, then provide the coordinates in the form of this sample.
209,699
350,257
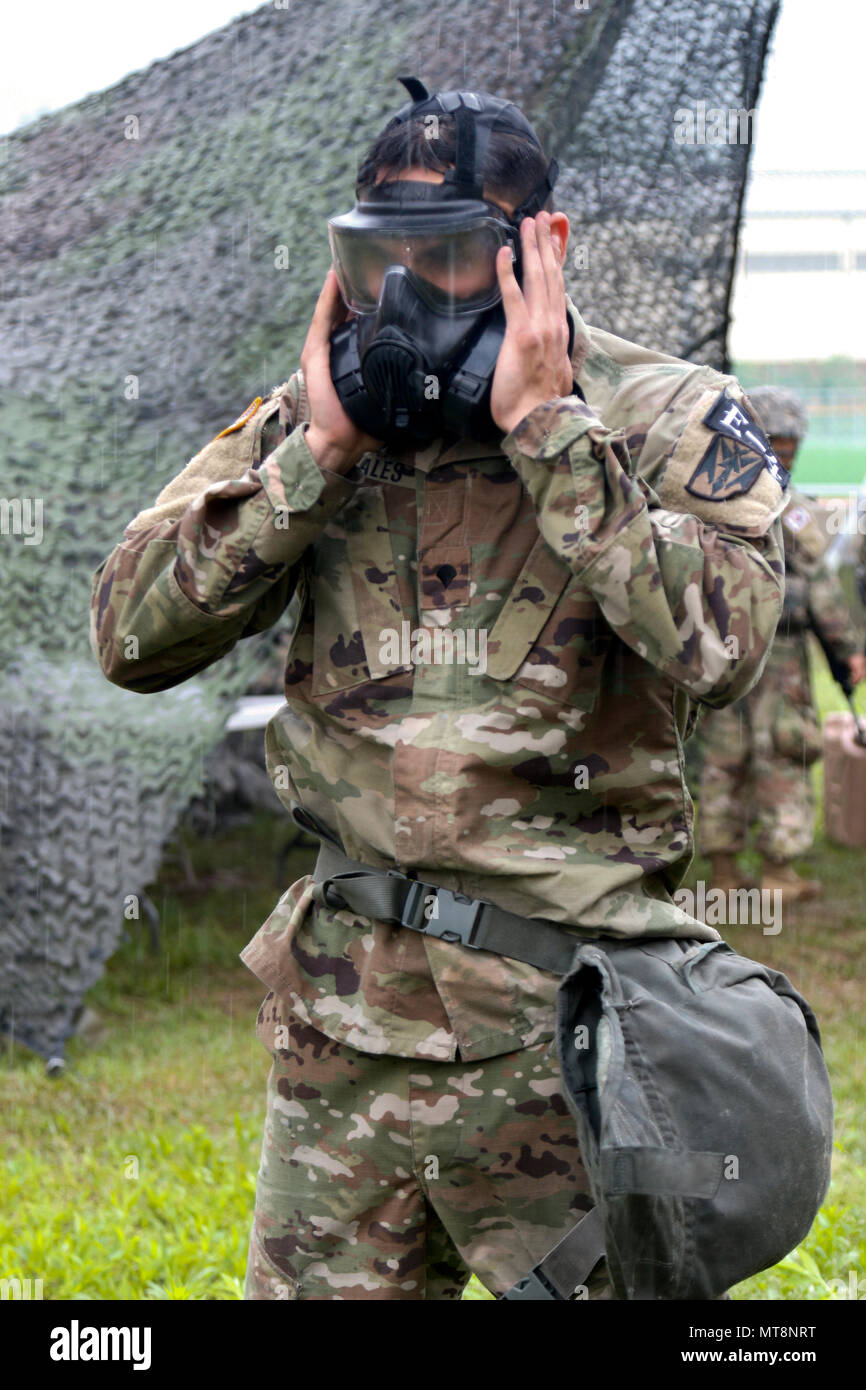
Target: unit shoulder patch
722,468
734,460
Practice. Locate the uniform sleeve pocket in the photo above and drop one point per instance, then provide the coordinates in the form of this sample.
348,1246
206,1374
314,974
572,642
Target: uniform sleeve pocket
550,637
525,612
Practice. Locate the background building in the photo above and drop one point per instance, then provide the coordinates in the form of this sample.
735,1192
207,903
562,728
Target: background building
799,312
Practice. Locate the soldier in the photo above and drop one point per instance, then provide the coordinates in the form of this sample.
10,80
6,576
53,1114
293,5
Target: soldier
860,562
605,541
758,751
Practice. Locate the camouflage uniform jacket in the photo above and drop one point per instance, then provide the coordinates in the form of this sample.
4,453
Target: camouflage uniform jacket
814,598
620,575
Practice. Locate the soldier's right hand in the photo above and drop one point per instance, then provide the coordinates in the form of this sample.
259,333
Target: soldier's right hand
333,439
857,667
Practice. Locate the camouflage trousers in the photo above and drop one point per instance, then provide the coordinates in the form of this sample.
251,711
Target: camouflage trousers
757,756
389,1177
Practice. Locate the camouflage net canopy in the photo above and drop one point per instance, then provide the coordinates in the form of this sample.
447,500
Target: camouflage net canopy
162,245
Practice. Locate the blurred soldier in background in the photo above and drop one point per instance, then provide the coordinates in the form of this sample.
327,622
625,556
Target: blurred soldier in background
860,568
758,751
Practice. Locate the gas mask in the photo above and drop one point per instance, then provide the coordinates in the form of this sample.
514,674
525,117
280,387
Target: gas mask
416,265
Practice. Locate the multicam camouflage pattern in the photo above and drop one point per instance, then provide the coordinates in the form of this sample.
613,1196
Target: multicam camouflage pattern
781,411
758,751
551,784
385,1178
747,778
860,564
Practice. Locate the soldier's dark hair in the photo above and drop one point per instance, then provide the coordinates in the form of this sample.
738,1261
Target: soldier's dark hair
513,165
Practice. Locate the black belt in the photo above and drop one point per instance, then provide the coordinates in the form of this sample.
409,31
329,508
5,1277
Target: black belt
432,910
438,912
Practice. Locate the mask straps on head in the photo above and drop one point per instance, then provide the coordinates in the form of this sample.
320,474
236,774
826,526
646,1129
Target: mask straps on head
539,196
469,154
473,126
416,89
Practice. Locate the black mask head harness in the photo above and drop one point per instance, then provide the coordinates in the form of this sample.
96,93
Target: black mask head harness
416,265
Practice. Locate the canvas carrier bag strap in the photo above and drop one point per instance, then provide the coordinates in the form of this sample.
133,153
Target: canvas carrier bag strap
565,1267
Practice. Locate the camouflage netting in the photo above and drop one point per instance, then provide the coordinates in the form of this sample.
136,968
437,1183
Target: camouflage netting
161,247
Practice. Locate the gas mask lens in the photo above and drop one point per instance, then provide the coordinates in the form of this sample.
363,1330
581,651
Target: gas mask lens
453,269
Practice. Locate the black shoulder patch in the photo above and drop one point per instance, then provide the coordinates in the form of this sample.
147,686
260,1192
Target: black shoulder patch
733,462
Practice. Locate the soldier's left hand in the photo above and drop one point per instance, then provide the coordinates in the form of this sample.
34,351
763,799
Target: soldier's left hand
857,667
533,364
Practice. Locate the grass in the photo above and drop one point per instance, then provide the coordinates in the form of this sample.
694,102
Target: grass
841,462
133,1177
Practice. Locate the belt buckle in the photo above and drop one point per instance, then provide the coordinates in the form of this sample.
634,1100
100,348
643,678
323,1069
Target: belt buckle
453,917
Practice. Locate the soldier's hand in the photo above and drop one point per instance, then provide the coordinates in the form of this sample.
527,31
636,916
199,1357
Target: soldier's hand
333,439
857,667
533,364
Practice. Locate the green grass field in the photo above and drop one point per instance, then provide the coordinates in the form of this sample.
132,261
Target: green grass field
133,1177
840,464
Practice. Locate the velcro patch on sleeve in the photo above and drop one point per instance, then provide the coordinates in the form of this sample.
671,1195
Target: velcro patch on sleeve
722,468
242,419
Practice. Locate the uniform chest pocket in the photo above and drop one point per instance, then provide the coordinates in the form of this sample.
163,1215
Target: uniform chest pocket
356,603
550,636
